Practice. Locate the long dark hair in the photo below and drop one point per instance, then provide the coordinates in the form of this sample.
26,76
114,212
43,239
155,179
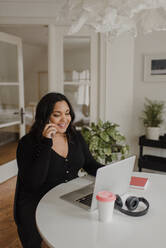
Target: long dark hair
44,110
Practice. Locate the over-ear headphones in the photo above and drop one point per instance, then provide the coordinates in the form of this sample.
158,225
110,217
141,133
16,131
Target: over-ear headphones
131,203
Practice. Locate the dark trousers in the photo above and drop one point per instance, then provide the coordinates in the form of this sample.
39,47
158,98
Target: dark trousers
26,225
29,236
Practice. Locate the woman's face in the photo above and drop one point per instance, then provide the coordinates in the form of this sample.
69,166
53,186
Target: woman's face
61,116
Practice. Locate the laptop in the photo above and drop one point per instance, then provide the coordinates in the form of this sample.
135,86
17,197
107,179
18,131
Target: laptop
114,177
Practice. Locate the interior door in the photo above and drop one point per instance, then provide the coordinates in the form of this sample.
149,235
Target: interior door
12,120
80,64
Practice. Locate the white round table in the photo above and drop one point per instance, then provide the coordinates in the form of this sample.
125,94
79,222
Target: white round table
62,224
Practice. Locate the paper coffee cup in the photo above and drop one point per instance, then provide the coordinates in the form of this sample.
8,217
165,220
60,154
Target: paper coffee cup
106,201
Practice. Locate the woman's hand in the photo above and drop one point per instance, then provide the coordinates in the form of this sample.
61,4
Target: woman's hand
49,131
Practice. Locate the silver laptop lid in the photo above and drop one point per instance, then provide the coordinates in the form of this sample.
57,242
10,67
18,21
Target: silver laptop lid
114,177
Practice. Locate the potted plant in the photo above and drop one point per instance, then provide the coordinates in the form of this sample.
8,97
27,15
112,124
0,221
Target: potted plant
152,118
105,142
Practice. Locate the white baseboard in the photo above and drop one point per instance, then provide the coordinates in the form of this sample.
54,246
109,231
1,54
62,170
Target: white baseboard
8,170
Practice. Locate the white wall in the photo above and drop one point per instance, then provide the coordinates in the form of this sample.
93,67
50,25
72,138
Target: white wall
148,44
127,89
121,85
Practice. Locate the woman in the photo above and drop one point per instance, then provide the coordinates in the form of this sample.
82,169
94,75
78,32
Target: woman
52,152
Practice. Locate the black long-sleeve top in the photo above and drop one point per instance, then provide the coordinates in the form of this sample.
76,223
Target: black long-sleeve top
40,168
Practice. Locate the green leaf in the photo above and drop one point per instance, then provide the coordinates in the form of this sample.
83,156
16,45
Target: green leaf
100,124
104,136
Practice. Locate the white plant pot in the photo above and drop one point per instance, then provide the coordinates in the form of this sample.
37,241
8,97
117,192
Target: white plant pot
152,133
118,156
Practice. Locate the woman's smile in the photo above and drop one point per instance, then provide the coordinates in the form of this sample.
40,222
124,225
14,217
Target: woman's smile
62,125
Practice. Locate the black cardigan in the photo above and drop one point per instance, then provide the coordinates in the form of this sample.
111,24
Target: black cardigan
40,169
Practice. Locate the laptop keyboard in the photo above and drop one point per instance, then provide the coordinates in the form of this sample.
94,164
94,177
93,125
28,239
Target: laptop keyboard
86,200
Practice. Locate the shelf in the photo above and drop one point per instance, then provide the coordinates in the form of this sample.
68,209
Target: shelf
149,161
152,162
161,143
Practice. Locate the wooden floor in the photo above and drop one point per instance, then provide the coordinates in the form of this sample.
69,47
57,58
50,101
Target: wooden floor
8,152
8,233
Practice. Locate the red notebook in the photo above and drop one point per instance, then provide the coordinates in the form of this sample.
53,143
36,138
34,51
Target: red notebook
138,182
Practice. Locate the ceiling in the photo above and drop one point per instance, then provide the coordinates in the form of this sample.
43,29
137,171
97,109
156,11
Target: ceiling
37,35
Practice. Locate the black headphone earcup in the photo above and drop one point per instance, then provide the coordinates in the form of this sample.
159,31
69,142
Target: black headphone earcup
118,202
132,203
